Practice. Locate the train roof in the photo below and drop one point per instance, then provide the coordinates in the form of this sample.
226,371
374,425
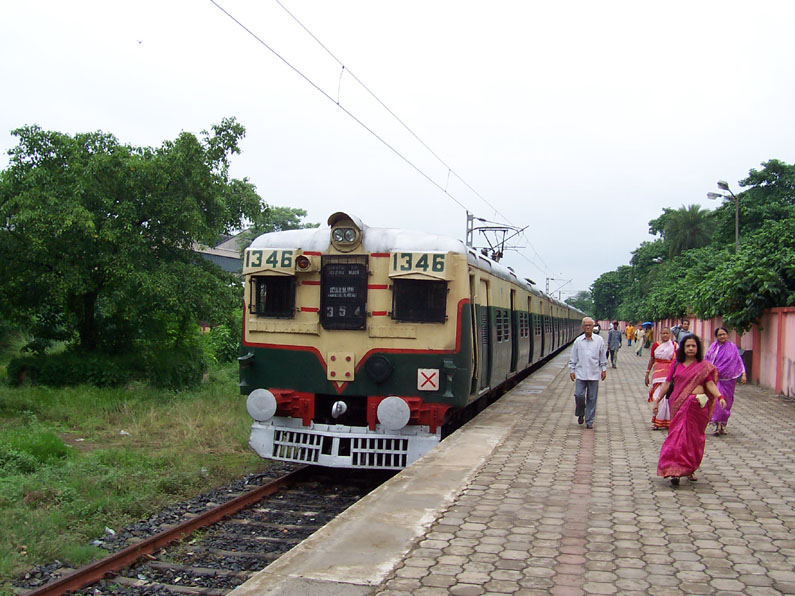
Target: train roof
375,240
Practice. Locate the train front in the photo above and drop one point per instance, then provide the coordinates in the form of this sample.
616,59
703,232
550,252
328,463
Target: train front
356,343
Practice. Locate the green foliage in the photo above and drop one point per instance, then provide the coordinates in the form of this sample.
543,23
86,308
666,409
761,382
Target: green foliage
223,341
761,275
176,369
686,228
179,365
102,234
606,292
582,300
55,499
74,368
25,449
681,273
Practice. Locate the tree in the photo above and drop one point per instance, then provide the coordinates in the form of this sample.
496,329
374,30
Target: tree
606,292
770,197
99,234
739,287
686,228
693,268
581,300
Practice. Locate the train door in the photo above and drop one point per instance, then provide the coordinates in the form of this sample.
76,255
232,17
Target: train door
530,329
558,328
476,344
485,334
543,321
512,329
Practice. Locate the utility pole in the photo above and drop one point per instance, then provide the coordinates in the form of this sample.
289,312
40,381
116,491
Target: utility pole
723,185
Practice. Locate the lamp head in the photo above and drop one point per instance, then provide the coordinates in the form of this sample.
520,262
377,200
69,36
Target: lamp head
723,185
714,195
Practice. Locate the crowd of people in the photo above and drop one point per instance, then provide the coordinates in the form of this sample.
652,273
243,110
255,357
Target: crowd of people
689,389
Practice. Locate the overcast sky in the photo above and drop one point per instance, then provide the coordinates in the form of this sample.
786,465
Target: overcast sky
580,120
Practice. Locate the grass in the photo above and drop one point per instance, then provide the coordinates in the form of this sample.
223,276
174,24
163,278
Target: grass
76,460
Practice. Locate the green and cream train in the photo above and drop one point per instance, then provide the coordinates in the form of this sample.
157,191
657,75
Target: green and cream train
360,343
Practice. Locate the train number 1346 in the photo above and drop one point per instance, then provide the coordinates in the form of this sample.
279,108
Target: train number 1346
417,261
275,259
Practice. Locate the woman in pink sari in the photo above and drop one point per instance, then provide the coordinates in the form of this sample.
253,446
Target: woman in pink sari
691,402
662,354
726,358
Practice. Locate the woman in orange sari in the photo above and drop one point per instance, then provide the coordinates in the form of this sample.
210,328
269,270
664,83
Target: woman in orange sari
662,354
692,400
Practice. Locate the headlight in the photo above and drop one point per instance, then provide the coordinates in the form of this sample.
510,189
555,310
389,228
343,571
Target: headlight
393,413
261,405
338,235
378,368
350,234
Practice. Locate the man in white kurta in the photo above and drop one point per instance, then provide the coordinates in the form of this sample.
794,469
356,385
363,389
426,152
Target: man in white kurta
587,366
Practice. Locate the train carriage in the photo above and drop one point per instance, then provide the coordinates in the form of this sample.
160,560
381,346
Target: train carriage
359,343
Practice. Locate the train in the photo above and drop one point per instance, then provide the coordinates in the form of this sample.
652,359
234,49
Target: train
360,344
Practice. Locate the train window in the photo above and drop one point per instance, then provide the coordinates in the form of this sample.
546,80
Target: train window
499,325
343,292
419,300
272,296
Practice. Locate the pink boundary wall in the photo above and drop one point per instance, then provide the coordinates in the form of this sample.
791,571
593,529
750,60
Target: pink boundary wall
772,344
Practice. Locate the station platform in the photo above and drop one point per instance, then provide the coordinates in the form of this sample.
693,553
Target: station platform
524,501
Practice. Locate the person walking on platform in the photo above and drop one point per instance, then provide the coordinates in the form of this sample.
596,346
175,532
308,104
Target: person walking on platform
662,355
630,333
726,358
614,343
682,331
587,366
644,341
691,401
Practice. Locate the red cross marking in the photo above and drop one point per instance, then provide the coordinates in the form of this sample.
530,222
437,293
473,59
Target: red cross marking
428,379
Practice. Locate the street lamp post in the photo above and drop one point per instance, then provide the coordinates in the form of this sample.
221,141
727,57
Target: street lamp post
723,185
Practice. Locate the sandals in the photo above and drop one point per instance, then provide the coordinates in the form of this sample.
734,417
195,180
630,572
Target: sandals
692,478
674,480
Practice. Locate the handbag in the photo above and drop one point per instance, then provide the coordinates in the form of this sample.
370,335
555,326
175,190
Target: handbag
671,386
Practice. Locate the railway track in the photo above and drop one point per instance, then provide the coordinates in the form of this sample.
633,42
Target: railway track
213,551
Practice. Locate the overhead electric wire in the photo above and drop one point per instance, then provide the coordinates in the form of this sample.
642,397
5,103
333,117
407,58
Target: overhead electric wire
327,96
450,170
383,105
371,131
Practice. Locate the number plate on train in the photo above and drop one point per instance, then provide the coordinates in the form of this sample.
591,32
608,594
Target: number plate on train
417,262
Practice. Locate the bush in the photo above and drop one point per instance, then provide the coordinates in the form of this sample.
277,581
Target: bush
178,367
24,450
14,462
179,364
73,368
223,341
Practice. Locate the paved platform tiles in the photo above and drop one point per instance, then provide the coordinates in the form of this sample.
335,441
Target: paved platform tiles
524,501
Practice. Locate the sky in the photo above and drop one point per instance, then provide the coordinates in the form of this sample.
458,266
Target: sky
580,120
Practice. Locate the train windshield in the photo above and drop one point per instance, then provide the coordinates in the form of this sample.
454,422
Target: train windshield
343,292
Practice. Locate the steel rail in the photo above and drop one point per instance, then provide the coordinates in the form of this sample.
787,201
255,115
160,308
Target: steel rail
91,574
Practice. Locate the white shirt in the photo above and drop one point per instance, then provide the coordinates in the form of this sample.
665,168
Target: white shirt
588,358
